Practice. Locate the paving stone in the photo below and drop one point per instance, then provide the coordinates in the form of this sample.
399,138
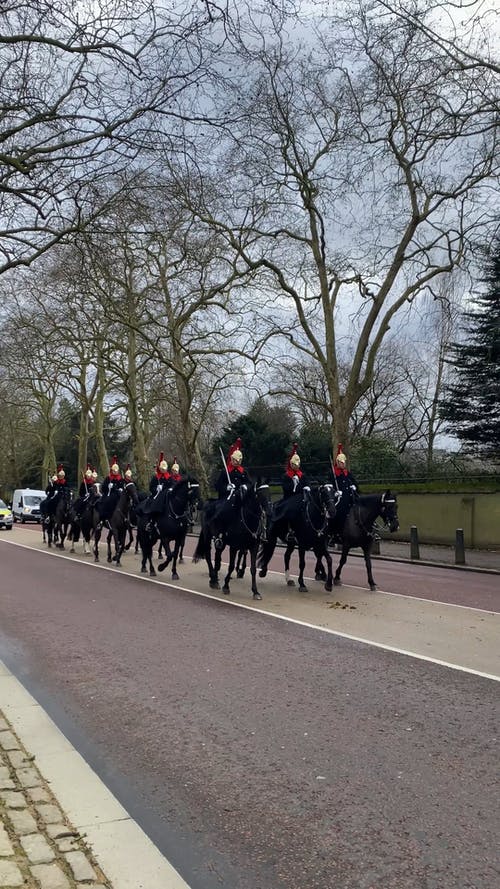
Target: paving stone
5,843
50,876
29,777
7,784
38,795
13,799
22,822
37,849
8,741
4,773
17,758
49,813
10,875
82,870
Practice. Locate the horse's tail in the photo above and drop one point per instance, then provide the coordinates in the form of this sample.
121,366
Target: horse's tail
200,551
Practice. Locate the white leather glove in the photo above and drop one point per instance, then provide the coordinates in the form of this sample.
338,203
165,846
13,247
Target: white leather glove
295,482
306,488
243,487
159,488
353,488
230,487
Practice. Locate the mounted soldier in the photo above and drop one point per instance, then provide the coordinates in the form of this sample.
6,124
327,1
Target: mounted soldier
159,486
295,488
231,478
111,488
347,490
60,489
84,492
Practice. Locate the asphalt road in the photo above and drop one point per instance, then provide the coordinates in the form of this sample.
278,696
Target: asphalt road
261,754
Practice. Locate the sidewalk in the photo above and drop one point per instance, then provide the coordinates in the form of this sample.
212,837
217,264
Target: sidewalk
39,848
440,555
60,825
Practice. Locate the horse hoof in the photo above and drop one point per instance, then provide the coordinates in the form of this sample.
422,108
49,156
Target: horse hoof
214,585
143,571
109,560
290,583
303,589
328,587
152,573
175,576
257,596
373,587
319,576
240,574
181,561
262,572
337,581
226,590
162,566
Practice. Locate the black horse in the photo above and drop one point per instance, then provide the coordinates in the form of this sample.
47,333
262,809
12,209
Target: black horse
243,529
358,529
308,519
117,524
60,520
170,526
85,523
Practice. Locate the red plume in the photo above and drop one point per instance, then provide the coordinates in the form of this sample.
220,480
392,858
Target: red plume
339,450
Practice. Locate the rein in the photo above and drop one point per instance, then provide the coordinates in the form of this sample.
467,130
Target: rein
319,531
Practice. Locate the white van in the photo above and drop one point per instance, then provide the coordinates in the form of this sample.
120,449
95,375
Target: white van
26,505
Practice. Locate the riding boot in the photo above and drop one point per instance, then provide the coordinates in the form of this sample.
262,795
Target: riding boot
219,542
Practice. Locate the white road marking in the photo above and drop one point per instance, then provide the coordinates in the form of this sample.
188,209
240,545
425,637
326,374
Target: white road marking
226,601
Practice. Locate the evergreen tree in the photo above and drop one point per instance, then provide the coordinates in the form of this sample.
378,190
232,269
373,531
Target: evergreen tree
471,402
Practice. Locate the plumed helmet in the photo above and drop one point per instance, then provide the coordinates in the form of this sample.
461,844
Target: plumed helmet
162,463
293,458
54,477
113,465
175,466
60,471
341,458
128,471
235,456
88,471
94,474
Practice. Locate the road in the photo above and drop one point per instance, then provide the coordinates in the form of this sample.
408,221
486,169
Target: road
264,753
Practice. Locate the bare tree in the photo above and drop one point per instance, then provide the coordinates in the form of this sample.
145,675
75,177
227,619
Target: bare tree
359,174
83,88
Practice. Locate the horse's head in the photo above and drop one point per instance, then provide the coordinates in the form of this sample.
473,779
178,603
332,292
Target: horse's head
327,500
130,492
389,511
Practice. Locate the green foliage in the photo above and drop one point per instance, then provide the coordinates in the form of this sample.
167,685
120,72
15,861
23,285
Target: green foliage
373,458
266,433
315,440
471,403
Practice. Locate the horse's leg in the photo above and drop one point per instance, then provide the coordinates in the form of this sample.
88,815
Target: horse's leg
329,574
286,558
302,566
177,546
253,570
108,542
119,537
319,570
241,563
232,559
367,552
266,553
97,537
343,559
212,572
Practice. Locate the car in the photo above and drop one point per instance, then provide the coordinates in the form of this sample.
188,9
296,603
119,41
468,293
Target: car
6,517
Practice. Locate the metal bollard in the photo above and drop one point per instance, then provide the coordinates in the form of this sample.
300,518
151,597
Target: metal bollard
414,547
459,547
